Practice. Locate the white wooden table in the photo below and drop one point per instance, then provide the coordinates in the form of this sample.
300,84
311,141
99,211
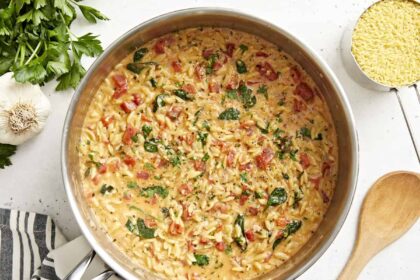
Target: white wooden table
34,181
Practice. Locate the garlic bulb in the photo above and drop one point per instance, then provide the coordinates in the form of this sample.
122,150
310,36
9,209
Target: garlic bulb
24,109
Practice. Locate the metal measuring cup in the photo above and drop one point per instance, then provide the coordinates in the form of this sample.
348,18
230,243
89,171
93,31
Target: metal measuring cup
358,75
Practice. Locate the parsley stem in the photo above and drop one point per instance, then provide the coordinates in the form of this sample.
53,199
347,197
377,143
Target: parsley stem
22,54
34,53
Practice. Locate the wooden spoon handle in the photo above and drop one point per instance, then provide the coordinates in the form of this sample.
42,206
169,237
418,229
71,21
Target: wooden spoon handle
357,261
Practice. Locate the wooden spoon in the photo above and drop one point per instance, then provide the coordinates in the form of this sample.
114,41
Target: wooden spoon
390,208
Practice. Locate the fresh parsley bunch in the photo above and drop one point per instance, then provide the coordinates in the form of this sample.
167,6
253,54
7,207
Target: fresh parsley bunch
36,42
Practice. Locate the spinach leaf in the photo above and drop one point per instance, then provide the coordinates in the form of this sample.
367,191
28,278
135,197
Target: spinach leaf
277,197
106,189
319,137
151,146
202,137
153,82
175,160
205,157
139,54
165,212
241,67
159,102
305,132
263,90
229,114
232,94
247,98
239,237
297,196
243,177
146,130
201,260
132,185
152,190
212,61
243,48
183,95
137,67
264,130
149,166
290,229
140,229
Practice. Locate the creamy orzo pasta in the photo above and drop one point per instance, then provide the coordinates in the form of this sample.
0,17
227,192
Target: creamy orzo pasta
208,154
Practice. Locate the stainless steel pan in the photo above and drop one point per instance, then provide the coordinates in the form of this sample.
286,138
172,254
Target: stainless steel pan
323,76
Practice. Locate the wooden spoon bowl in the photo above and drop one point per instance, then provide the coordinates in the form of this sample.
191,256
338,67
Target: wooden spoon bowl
389,210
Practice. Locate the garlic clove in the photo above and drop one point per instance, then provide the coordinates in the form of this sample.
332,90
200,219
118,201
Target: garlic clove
24,110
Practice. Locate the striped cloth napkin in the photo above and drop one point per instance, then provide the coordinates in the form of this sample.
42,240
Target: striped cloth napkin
26,239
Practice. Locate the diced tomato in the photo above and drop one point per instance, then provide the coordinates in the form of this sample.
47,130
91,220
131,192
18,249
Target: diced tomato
200,72
145,119
129,161
282,222
186,214
137,99
106,120
96,179
217,65
128,133
304,91
263,160
261,54
120,84
153,200
114,166
159,47
127,196
325,197
176,65
295,74
298,105
220,246
190,246
128,106
143,175
149,222
279,234
162,162
245,167
316,181
233,82
199,165
230,47
185,189
174,112
251,83
326,168
207,53
119,80
189,88
230,158
204,240
102,169
214,87
304,160
221,207
250,235
175,229
266,70
219,227
190,139
243,198
253,211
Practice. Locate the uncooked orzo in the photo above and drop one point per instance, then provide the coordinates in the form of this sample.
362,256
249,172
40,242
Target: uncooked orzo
208,154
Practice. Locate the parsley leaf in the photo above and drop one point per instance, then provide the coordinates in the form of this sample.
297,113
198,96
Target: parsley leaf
152,190
6,151
201,260
91,14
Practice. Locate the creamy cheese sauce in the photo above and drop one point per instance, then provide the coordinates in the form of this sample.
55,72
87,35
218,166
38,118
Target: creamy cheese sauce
208,154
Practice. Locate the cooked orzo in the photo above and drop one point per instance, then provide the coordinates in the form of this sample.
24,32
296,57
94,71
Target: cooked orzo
386,42
208,154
